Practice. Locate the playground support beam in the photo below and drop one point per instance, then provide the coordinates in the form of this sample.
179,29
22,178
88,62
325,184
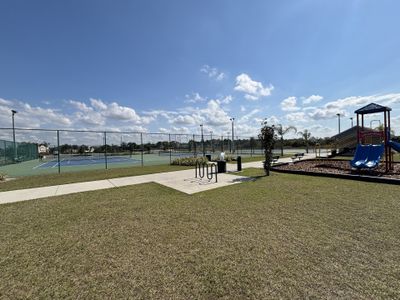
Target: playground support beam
391,167
387,148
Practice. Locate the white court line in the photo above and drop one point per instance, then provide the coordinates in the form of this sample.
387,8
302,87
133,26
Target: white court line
40,165
57,163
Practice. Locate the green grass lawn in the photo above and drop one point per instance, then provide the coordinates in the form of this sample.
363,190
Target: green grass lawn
283,236
88,175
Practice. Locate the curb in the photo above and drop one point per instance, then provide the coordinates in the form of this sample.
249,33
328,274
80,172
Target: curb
364,178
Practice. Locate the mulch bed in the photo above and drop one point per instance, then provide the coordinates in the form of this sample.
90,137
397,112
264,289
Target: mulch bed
339,167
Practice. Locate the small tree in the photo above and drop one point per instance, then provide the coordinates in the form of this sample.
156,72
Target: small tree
267,138
282,131
306,135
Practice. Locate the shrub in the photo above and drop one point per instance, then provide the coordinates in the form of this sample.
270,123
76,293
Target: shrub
2,177
188,161
229,158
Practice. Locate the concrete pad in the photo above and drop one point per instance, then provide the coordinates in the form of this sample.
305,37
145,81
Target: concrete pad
27,194
190,185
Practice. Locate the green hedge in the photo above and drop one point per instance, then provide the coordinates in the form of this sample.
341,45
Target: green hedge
188,161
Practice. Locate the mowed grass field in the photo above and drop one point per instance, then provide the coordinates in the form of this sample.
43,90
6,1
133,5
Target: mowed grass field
283,236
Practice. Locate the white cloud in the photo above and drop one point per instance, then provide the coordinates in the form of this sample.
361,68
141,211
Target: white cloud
249,116
242,108
154,114
331,109
253,89
116,111
220,76
289,104
183,120
80,106
225,100
312,99
272,120
194,98
214,114
98,104
246,130
212,72
181,130
251,97
91,118
296,117
326,113
5,102
163,130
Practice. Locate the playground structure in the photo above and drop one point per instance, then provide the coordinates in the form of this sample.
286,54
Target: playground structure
372,145
205,169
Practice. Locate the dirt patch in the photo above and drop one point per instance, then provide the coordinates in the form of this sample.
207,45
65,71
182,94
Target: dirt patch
339,167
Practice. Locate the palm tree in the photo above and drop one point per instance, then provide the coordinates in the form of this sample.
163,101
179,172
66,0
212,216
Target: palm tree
282,131
306,136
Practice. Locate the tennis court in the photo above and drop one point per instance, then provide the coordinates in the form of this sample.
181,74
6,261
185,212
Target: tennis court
87,161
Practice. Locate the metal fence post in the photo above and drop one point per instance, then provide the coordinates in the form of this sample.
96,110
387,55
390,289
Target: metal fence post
58,152
194,146
169,146
142,147
5,153
105,150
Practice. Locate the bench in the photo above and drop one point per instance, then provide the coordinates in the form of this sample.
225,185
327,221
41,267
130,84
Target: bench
274,159
297,155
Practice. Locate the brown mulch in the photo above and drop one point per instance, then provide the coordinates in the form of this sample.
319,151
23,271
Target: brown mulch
339,167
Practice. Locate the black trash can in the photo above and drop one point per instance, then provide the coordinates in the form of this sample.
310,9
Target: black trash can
239,163
221,164
208,156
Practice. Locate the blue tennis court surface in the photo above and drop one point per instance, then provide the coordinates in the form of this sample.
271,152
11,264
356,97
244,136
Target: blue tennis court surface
86,161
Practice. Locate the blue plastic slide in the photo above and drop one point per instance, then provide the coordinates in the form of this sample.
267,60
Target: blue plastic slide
374,156
395,146
361,156
367,156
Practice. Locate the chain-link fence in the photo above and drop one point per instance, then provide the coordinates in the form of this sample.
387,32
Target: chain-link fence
43,151
11,152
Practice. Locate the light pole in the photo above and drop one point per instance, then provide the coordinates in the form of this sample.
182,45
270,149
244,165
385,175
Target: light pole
13,112
202,140
338,122
351,119
233,136
230,143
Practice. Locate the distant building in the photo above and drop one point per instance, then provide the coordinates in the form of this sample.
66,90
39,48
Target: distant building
43,149
346,141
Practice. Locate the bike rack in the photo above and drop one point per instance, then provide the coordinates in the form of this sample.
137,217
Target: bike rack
205,169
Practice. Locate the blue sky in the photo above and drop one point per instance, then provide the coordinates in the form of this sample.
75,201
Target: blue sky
169,66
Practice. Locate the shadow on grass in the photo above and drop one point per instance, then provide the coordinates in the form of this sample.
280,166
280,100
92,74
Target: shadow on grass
252,174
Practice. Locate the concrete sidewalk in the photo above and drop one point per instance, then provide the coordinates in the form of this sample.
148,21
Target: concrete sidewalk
183,181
